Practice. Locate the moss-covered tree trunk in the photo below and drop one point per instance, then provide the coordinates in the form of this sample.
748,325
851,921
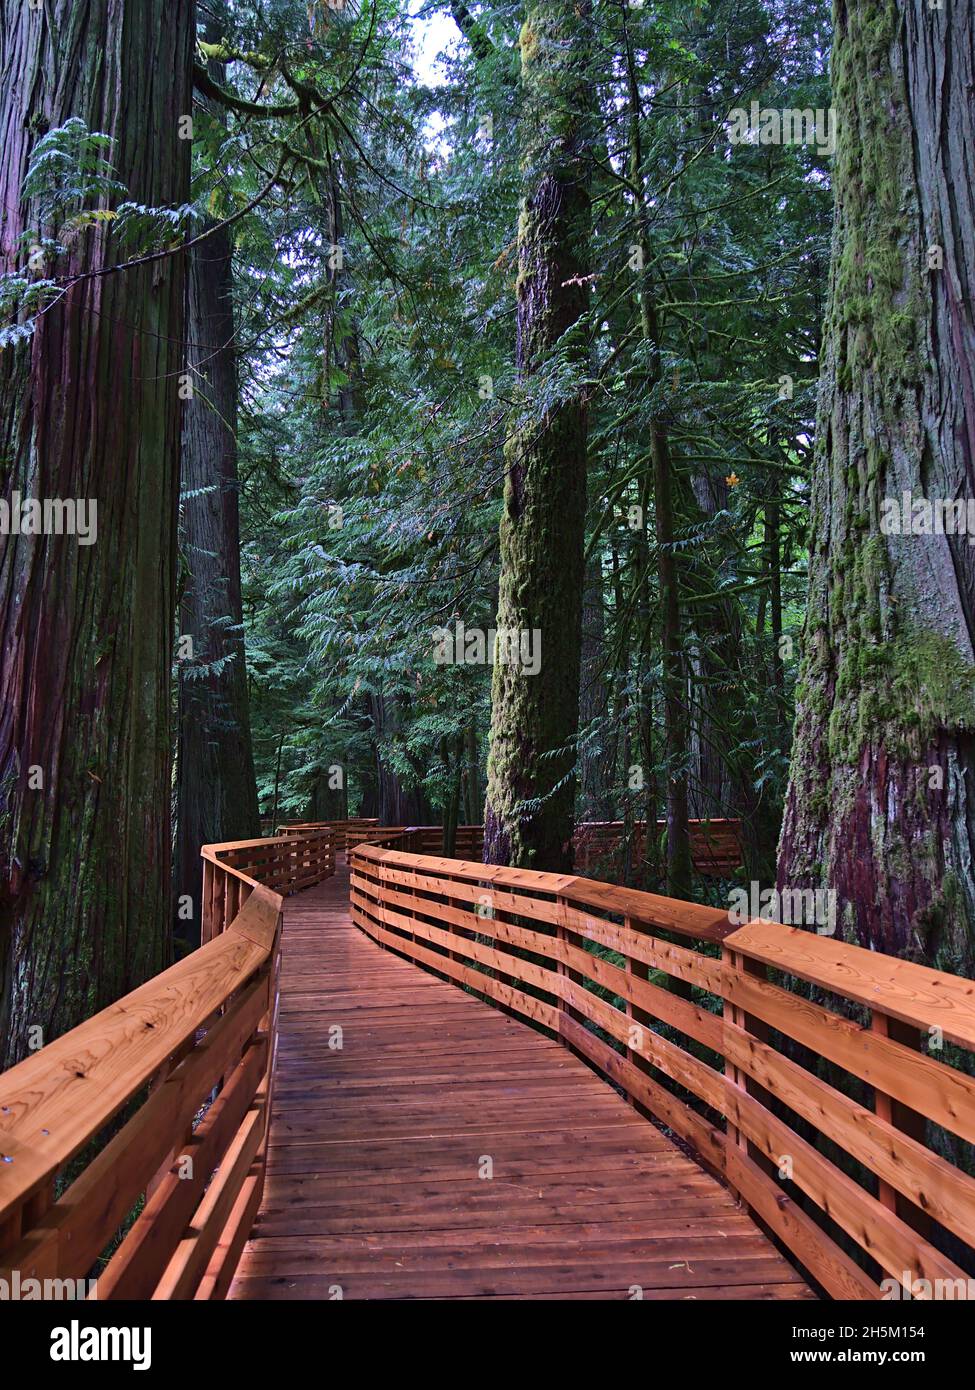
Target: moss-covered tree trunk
716,642
216,790
89,409
534,720
881,804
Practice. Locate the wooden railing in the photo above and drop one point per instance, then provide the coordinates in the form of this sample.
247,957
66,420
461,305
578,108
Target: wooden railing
815,1119
132,1149
340,829
426,839
716,849
715,844
287,863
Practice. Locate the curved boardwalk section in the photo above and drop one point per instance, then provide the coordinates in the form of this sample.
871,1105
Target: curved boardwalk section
425,1145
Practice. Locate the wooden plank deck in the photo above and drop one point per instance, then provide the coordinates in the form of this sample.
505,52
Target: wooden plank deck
375,1185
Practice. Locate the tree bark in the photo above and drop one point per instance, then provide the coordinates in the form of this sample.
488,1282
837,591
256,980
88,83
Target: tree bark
715,650
881,802
327,802
666,491
90,410
534,720
595,765
216,796
455,775
396,802
472,789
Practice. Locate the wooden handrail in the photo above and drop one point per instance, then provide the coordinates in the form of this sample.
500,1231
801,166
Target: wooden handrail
339,828
179,1072
286,863
716,844
181,1069
754,1109
716,847
423,839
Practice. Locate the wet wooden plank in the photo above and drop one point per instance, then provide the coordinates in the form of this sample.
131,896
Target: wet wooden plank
445,1150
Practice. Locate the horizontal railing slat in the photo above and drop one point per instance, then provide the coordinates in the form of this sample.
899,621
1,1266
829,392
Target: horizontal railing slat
912,993
192,1256
687,919
915,1078
831,1266
138,1264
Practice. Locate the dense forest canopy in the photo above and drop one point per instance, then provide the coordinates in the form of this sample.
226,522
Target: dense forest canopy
386,331
373,431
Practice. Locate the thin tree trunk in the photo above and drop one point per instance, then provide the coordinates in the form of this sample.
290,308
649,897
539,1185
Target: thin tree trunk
90,410
726,737
717,648
676,722
881,802
397,803
216,796
452,808
625,721
472,776
534,722
277,784
595,772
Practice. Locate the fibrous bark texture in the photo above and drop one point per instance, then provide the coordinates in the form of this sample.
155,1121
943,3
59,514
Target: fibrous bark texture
881,804
89,410
534,725
216,790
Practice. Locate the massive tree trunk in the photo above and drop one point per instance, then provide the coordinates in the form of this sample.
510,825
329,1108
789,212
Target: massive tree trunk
90,410
216,790
881,804
534,720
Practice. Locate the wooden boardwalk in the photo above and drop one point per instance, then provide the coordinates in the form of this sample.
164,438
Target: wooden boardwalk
425,1144
448,1151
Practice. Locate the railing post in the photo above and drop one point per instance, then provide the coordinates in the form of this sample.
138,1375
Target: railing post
733,1014
639,1018
292,853
206,901
233,897
736,963
908,1121
218,920
216,874
561,969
